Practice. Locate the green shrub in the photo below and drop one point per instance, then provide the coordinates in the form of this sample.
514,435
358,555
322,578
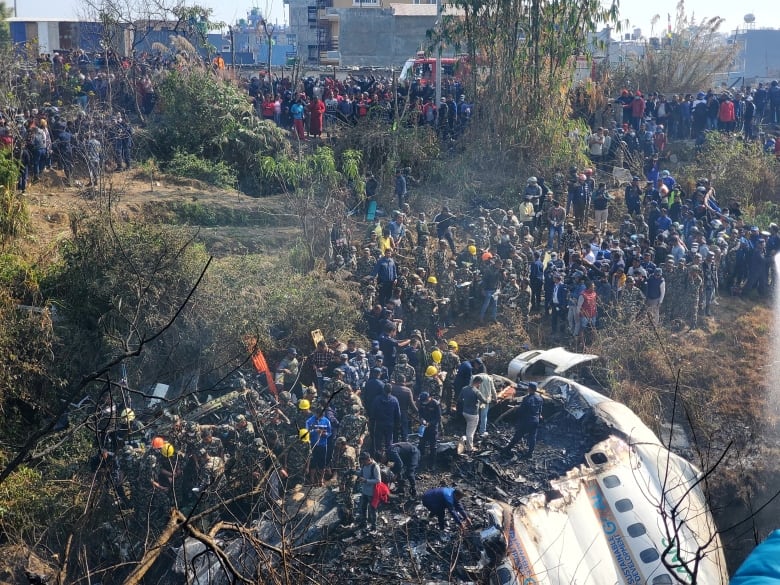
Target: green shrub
192,166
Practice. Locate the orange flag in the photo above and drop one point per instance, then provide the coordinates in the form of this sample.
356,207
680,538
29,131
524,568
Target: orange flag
258,360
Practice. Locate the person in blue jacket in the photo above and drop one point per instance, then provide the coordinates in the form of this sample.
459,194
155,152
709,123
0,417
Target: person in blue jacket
438,500
320,430
762,567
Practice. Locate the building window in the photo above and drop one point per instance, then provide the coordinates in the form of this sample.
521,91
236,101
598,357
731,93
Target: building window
365,2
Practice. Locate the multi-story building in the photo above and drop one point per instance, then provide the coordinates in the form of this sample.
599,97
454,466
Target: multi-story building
360,32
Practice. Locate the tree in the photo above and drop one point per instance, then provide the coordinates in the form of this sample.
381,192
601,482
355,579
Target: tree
686,60
526,50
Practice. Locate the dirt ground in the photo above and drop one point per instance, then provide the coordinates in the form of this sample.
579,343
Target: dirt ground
133,196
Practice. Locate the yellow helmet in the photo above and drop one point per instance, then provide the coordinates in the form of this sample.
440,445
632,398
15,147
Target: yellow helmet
431,371
303,435
167,450
304,404
453,345
436,356
473,250
433,280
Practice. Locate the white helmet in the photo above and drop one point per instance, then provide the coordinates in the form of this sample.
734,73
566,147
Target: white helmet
531,180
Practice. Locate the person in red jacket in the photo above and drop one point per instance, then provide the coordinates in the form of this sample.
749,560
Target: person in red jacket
316,115
727,119
637,110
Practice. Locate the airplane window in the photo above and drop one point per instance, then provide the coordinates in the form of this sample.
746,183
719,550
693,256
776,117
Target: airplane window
624,505
662,580
637,529
649,555
599,458
611,481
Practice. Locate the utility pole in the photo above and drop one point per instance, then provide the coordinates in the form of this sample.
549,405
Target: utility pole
232,47
438,57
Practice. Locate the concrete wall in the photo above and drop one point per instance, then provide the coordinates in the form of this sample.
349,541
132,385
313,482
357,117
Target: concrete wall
371,37
761,54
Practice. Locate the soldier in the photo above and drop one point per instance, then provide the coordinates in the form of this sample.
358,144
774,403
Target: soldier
298,454
570,240
129,473
345,465
631,301
450,361
422,228
211,444
403,373
693,293
211,470
337,385
424,305
365,265
432,383
354,427
482,234
441,258
421,257
710,276
674,287
448,290
244,431
523,299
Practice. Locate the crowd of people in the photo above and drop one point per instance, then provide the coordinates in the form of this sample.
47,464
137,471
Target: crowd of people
556,257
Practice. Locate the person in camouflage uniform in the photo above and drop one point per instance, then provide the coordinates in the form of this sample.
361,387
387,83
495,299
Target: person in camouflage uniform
441,259
298,454
642,229
432,383
129,474
693,294
482,234
421,227
424,302
403,373
213,445
337,386
367,295
345,465
421,256
730,266
463,292
365,265
287,415
343,402
354,427
523,299
675,284
570,240
450,362
630,302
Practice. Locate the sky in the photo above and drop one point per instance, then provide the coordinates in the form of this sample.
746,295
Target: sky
638,13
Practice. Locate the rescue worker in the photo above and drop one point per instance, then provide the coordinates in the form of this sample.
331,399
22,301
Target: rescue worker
528,418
